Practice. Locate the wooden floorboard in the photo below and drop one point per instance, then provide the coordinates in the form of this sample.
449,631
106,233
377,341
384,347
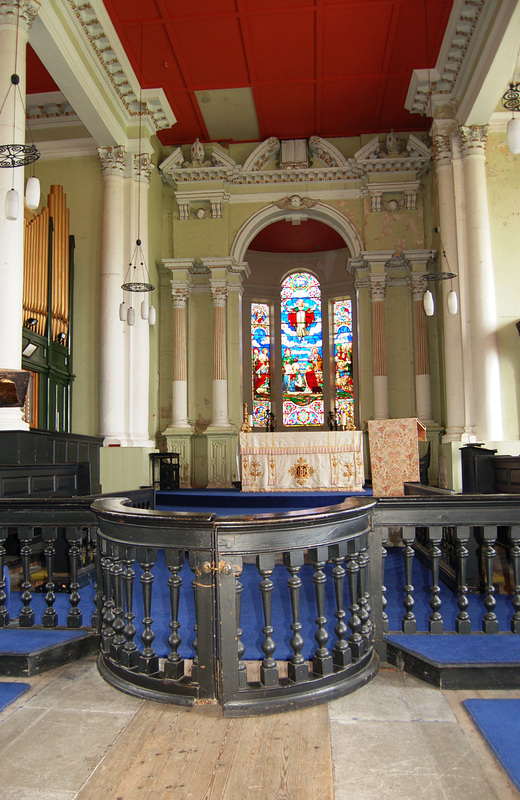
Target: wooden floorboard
172,753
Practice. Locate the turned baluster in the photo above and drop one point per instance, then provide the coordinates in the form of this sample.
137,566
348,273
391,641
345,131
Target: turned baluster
74,617
242,670
322,660
364,596
297,668
409,621
194,585
435,620
269,667
341,653
514,535
490,621
463,622
148,661
26,618
96,621
355,640
107,613
116,577
129,654
174,665
50,615
4,613
384,601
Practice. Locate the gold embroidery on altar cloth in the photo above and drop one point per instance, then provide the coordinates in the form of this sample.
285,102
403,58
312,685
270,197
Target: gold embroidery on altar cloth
301,471
255,471
348,471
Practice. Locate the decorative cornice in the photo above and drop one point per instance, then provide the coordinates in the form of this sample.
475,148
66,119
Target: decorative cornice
437,86
389,155
154,105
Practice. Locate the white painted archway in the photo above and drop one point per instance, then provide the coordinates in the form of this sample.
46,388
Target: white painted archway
321,212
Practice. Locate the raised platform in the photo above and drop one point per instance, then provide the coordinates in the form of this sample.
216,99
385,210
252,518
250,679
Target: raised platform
25,652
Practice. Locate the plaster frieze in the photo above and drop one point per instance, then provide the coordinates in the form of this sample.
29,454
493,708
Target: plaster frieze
112,160
21,12
473,139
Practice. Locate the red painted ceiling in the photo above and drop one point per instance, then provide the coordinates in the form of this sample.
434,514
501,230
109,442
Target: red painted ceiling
326,67
309,236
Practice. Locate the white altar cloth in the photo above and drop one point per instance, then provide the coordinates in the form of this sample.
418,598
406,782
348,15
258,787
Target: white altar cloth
295,462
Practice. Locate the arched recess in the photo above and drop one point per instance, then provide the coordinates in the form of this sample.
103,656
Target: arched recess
321,212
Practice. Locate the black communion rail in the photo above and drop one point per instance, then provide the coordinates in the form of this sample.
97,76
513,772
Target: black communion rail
245,583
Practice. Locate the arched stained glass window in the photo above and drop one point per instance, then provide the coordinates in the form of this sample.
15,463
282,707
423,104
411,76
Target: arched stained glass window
261,363
302,351
343,379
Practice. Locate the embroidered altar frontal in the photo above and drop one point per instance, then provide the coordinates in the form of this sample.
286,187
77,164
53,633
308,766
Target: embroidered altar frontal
298,461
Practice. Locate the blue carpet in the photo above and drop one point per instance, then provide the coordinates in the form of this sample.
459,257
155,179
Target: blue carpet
499,723
22,641
454,649
232,501
10,691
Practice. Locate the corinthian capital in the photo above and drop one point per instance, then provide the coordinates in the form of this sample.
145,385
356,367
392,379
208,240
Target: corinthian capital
418,285
27,13
112,160
143,167
180,294
473,139
219,292
377,287
441,146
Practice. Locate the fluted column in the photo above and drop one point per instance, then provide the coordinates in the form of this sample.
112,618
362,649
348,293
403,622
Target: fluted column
180,295
483,316
219,292
139,336
112,383
379,363
452,325
423,397
12,131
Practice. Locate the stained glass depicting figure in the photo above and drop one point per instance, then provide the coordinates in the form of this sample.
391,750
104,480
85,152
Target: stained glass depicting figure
343,359
302,350
261,363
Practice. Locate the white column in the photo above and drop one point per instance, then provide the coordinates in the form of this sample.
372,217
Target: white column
483,315
452,330
139,338
379,363
12,131
220,400
180,295
423,397
112,381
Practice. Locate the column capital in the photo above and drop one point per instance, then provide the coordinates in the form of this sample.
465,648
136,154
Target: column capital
377,286
142,167
441,147
180,293
219,291
418,285
112,160
28,12
473,139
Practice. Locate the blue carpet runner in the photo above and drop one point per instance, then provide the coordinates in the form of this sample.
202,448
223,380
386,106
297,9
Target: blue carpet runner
451,649
24,641
499,723
10,691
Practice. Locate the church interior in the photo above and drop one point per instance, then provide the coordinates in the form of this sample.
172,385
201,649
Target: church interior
258,259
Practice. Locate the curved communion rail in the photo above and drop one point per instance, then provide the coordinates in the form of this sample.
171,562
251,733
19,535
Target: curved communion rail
259,612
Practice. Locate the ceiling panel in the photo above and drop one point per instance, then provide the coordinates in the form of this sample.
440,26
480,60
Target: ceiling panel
282,51
326,67
307,237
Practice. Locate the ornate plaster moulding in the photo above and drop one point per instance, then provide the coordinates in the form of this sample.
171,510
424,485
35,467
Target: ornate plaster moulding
430,89
394,155
50,109
397,265
97,27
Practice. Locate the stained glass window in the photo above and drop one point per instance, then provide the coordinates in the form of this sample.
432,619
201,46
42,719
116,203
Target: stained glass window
344,384
261,363
302,351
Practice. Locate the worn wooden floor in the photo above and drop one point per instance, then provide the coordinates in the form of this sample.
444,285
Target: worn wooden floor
182,754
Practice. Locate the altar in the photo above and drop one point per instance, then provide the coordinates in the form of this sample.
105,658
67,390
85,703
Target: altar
302,461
